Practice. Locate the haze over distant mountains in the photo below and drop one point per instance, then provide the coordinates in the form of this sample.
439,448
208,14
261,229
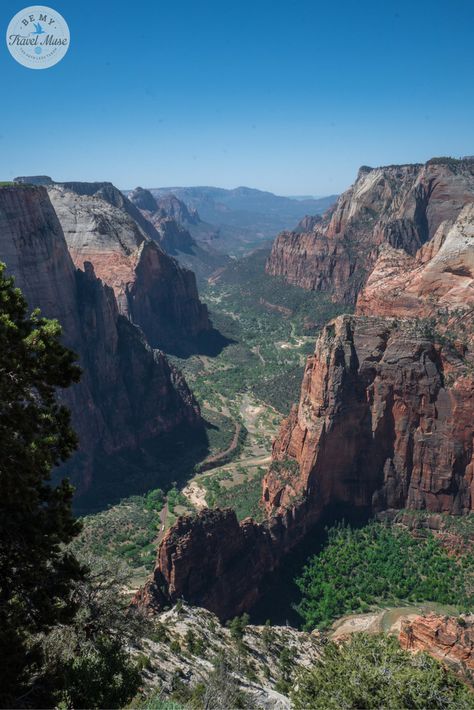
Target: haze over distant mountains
242,218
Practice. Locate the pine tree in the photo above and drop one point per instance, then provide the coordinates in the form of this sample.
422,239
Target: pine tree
36,522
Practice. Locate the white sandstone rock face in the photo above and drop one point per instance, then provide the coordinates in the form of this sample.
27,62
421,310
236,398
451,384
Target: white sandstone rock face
102,227
257,671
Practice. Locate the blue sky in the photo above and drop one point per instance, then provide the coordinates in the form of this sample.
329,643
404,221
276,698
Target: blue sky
290,96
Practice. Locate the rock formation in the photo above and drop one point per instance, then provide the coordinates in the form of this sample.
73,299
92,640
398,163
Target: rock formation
438,279
450,640
102,227
384,422
385,419
400,205
128,392
172,221
185,628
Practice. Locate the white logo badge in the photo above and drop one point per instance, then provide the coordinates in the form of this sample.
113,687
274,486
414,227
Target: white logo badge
38,37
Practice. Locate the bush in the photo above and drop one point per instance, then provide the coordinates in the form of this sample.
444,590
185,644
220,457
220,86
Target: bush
374,672
379,564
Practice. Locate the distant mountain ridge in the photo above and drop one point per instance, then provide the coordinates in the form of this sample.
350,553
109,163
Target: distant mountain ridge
240,219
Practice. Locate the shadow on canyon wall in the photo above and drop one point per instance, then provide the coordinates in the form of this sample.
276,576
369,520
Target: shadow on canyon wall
159,463
279,590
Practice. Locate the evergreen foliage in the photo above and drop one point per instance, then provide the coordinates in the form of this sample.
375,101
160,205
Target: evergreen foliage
380,564
60,640
372,672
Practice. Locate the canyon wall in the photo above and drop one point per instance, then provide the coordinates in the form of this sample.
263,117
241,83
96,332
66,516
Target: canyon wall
385,419
447,639
384,422
152,290
400,205
128,392
172,221
437,281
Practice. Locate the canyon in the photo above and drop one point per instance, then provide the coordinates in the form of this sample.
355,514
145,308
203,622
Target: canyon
129,393
401,205
385,413
152,290
172,221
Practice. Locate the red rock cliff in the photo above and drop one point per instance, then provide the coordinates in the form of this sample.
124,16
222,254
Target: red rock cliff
385,420
128,392
401,205
152,290
436,282
447,639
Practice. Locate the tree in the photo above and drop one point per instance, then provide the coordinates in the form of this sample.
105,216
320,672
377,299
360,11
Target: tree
35,517
62,628
85,662
371,672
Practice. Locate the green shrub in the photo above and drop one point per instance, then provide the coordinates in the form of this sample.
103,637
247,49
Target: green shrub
359,569
373,672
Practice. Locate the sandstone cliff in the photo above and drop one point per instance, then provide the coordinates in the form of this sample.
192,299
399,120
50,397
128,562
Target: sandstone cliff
448,639
385,415
437,280
401,205
384,421
172,221
103,227
128,392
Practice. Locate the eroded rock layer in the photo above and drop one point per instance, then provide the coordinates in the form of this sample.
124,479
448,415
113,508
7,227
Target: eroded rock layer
448,639
103,227
128,392
439,279
384,420
401,205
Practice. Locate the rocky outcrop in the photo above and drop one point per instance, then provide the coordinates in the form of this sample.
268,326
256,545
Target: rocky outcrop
448,639
384,421
439,279
386,410
172,220
128,392
187,639
402,206
212,561
101,226
143,199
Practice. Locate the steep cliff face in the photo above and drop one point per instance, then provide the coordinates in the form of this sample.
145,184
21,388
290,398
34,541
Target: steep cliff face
128,393
402,206
438,279
152,290
384,421
211,561
172,220
444,638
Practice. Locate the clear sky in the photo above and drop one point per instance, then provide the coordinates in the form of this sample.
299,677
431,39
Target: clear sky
285,95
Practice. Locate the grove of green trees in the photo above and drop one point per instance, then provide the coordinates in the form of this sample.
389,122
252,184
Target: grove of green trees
380,564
